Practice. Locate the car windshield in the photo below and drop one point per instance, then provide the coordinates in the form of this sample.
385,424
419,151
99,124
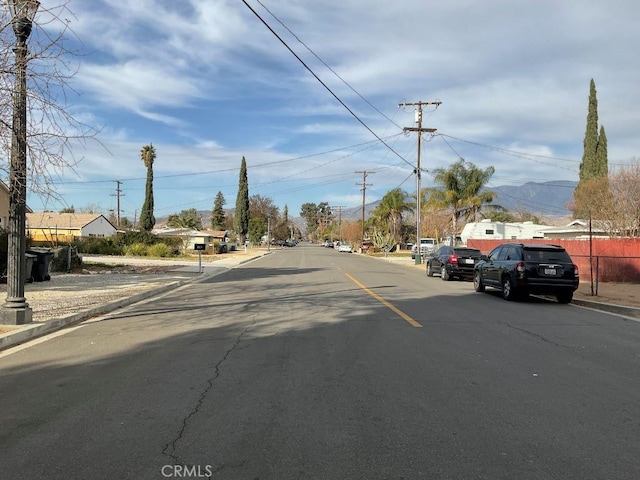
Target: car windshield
546,256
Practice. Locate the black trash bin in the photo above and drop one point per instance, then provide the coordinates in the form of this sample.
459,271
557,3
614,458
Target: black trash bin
29,261
40,271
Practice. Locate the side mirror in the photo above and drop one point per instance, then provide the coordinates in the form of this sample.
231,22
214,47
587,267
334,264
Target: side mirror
484,258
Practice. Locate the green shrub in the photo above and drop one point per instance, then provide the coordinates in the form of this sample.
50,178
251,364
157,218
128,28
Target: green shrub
136,250
98,245
159,250
174,244
132,237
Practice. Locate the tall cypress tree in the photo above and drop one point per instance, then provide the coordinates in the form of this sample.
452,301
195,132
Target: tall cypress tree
218,217
241,215
147,220
588,167
595,164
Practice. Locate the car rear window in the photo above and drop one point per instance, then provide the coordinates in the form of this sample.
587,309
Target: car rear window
472,252
546,255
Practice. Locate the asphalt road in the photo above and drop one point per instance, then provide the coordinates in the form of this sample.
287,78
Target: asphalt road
314,364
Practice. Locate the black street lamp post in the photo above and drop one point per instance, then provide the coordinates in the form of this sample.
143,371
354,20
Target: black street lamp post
16,310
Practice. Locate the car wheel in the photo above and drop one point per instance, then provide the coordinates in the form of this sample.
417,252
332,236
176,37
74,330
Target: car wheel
444,274
429,270
564,297
508,290
477,282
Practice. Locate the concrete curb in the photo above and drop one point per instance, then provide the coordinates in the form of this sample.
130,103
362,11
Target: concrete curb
25,333
631,312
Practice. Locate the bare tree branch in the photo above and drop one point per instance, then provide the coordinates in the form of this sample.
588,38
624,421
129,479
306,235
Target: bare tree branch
53,129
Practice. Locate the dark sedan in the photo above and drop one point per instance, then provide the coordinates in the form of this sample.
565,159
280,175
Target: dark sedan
453,262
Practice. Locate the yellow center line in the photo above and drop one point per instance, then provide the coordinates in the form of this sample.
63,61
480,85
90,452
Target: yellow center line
387,304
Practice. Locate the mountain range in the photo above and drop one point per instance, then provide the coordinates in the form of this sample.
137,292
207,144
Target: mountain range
543,199
549,199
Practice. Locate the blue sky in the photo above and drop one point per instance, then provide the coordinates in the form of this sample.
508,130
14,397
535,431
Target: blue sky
206,82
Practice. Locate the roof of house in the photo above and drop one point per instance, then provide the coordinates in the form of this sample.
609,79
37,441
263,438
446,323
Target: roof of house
60,220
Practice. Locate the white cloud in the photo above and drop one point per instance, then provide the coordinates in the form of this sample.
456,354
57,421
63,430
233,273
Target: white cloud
206,82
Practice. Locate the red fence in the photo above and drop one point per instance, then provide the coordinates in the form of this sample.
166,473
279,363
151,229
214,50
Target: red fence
607,259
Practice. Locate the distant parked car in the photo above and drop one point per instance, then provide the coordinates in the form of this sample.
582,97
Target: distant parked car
521,269
345,247
366,246
453,262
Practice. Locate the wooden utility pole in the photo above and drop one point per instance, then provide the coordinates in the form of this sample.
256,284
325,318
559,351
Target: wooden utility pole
339,207
364,186
418,170
118,194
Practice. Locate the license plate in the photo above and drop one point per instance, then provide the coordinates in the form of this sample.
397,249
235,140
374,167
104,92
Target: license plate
468,260
549,271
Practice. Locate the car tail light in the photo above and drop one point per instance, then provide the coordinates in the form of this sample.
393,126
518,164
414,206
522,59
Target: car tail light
453,259
520,268
576,272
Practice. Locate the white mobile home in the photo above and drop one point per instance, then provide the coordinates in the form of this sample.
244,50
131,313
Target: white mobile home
488,230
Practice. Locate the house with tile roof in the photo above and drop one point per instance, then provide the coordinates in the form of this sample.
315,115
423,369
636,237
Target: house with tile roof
65,227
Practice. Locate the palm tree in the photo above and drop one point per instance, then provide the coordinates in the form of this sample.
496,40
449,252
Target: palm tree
147,220
186,219
388,213
461,190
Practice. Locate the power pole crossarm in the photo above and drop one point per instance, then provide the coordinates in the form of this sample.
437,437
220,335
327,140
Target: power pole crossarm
419,104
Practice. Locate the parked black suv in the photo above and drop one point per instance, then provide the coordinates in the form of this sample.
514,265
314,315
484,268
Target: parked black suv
453,262
520,269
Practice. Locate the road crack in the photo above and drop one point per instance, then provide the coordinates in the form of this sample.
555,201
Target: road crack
169,448
537,335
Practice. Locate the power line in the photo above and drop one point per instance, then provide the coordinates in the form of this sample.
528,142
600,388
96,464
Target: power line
265,164
325,64
353,114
